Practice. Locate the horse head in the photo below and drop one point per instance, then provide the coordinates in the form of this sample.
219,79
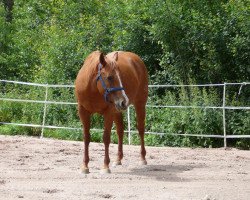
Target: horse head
109,82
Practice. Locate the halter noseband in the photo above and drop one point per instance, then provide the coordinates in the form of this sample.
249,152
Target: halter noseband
107,90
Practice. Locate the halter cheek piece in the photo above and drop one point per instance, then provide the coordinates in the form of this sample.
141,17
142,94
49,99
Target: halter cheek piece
107,90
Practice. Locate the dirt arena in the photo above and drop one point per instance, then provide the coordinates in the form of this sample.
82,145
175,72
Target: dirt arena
32,168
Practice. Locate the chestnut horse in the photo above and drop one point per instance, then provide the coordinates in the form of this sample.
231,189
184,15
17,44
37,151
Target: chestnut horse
107,85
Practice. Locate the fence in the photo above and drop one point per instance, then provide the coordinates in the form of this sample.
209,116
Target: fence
129,131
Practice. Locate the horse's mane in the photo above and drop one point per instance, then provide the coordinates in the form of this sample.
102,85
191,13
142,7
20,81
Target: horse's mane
92,59
91,62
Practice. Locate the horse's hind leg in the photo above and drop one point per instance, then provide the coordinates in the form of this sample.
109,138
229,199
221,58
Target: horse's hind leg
140,118
108,121
120,132
85,119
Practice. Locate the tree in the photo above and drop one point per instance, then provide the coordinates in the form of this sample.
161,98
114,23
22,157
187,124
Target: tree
203,40
8,4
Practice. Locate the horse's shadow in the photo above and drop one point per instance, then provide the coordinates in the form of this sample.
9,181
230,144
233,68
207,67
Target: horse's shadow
170,173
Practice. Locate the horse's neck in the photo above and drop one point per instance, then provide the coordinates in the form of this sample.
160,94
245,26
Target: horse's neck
91,82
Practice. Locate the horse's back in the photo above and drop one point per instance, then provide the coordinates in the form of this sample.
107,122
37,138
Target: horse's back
134,76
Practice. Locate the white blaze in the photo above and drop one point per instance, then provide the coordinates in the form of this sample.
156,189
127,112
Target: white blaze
123,92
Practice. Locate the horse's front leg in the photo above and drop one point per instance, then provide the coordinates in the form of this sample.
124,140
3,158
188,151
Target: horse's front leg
85,119
120,132
108,121
140,116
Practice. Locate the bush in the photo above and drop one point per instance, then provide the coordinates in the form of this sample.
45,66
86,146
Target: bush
171,121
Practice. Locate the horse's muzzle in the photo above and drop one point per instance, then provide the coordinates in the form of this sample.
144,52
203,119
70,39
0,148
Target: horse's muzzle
121,105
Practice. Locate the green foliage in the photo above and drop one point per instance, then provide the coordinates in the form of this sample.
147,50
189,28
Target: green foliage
19,130
208,41
203,41
187,120
63,134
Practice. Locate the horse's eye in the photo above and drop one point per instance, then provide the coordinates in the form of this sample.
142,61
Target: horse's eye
110,78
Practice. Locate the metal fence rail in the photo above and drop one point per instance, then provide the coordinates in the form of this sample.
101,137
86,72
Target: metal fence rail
46,102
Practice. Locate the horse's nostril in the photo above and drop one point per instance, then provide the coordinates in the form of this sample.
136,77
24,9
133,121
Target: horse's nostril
122,104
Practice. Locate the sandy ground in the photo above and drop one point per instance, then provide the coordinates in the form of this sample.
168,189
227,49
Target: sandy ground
32,168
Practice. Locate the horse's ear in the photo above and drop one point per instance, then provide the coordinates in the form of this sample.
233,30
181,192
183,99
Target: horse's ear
102,59
115,56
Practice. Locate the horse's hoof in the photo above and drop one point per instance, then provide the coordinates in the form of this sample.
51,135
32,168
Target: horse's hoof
85,170
116,163
143,162
105,171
